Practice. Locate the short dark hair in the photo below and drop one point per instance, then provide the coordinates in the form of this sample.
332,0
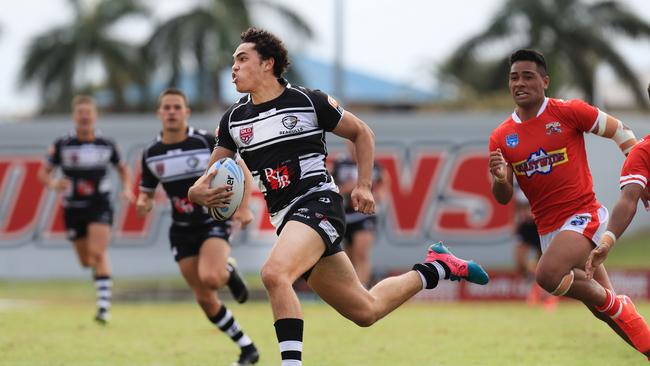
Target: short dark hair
172,91
530,55
268,45
83,99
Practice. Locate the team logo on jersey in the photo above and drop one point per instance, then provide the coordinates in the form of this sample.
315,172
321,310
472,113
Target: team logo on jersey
540,162
160,168
512,140
246,134
192,161
74,159
553,127
289,122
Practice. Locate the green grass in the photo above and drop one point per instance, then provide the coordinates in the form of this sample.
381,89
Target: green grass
52,325
58,330
630,252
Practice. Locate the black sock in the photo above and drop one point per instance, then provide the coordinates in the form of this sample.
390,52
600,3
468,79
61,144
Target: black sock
289,333
430,273
226,322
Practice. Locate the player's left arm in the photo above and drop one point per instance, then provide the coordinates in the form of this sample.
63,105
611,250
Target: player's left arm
127,183
357,131
244,215
612,128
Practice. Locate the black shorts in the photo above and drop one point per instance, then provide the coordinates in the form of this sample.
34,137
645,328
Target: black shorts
323,212
527,233
366,224
77,219
186,241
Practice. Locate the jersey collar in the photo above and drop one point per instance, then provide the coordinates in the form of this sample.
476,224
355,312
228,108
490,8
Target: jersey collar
541,110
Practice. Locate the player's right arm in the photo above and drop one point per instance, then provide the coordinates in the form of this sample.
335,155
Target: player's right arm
201,193
500,172
44,174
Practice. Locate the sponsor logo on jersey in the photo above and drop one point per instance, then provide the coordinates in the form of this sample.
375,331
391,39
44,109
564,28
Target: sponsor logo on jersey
540,162
182,205
334,104
85,187
277,178
512,140
580,220
289,122
553,127
324,200
246,134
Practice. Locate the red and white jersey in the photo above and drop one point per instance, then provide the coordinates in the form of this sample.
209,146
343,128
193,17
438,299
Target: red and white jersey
547,154
636,168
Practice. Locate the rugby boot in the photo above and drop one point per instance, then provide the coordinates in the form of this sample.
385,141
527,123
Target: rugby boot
460,269
633,324
248,356
102,317
236,283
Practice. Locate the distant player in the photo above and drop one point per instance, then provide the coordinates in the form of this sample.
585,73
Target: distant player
279,130
84,156
199,244
542,144
360,229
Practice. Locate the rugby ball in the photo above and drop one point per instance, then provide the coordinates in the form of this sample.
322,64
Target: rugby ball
231,175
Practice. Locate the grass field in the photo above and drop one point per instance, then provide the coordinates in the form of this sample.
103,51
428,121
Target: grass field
50,324
58,330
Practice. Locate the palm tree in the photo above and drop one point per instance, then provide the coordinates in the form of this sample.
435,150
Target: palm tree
575,36
57,59
208,34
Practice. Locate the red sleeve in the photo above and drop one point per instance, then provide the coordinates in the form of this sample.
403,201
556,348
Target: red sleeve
494,144
636,168
583,115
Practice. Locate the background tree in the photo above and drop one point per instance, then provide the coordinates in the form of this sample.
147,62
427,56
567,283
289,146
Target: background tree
208,35
56,60
575,36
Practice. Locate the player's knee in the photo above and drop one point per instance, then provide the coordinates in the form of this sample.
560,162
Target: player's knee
214,279
87,261
554,284
273,276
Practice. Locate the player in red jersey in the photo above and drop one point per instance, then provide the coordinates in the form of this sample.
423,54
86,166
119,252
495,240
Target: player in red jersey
542,143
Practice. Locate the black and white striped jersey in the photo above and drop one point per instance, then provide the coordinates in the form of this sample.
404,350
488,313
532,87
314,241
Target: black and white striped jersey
177,166
85,163
283,143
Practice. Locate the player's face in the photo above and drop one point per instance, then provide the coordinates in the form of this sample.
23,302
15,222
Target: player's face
84,116
248,68
173,112
527,85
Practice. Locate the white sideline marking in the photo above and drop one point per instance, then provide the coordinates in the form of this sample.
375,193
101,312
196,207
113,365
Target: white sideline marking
13,304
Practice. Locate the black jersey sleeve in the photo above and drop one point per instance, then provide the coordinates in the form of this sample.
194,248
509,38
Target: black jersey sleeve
328,110
224,138
148,181
54,153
